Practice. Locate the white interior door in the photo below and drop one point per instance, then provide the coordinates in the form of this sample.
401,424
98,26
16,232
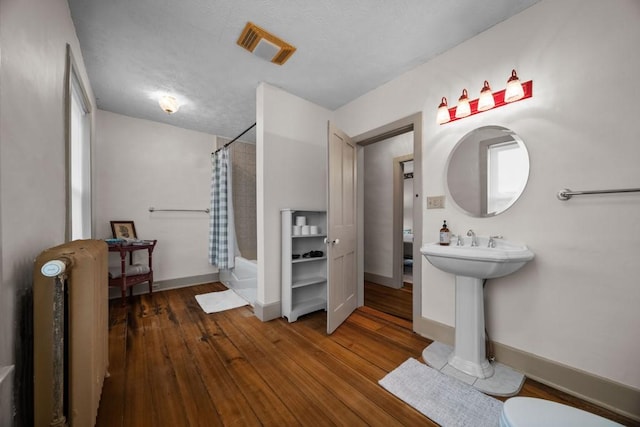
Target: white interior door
341,237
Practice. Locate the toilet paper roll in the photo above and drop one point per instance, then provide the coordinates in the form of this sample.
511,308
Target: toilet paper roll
313,229
301,220
297,230
306,230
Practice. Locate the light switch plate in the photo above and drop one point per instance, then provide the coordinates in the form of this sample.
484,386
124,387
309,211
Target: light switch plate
435,202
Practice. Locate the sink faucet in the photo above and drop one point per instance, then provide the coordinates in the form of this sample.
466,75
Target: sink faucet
474,239
492,242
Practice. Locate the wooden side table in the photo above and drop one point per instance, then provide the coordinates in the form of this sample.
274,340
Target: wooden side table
124,281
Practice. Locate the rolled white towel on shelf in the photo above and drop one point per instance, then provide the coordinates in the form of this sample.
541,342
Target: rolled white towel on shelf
131,270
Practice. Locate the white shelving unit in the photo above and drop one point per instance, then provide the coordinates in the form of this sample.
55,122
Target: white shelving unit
304,279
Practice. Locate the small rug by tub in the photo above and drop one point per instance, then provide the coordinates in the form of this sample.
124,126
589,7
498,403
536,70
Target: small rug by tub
445,400
220,301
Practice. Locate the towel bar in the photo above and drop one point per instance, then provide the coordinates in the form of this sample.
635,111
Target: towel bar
152,209
566,194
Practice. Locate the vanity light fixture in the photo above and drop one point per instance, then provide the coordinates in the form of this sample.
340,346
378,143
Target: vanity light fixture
169,104
443,112
515,91
463,109
486,101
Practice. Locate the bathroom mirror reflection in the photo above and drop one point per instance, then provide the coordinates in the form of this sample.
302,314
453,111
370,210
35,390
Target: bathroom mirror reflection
487,171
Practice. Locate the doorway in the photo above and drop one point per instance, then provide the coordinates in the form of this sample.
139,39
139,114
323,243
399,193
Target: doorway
407,222
385,155
385,262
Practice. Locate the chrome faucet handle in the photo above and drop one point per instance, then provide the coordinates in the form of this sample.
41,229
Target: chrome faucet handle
460,242
492,242
474,240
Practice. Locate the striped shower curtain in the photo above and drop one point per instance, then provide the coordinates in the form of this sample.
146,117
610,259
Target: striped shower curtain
221,222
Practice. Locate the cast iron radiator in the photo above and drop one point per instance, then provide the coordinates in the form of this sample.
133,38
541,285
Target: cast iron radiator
70,322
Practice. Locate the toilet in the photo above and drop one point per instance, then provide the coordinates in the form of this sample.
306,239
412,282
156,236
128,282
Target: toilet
530,412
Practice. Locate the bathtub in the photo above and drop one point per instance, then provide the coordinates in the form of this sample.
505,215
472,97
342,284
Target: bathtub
243,278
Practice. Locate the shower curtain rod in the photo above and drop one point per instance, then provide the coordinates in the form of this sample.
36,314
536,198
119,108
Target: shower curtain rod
234,139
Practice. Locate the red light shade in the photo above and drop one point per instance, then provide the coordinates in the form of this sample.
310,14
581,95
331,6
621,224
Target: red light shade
514,90
486,101
443,112
463,109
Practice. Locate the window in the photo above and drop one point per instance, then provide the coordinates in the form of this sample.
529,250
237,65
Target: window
79,151
504,180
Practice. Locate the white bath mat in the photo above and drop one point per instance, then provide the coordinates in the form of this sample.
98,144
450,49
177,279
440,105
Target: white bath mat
220,301
445,400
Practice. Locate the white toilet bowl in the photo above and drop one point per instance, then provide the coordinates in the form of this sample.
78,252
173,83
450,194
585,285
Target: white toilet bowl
530,412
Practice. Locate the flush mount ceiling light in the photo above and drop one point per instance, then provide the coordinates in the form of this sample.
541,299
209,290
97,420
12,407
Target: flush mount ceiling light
264,44
463,109
486,101
169,104
515,91
443,112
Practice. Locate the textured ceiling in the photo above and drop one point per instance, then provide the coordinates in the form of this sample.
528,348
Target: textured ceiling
135,50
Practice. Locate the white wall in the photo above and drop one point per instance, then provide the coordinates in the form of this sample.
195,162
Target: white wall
33,38
291,157
378,202
577,302
142,164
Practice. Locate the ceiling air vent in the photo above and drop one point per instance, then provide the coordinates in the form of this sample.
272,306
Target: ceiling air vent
265,45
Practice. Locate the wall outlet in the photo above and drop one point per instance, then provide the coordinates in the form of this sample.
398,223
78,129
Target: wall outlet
435,202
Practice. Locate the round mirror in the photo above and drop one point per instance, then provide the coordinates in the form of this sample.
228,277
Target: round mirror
487,171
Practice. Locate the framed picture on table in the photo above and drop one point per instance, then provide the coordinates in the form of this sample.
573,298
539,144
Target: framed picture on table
123,230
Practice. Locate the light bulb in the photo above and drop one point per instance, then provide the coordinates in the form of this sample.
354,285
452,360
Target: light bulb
443,112
169,104
486,101
514,90
463,109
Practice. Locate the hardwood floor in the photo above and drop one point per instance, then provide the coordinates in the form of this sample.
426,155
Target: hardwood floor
173,365
397,302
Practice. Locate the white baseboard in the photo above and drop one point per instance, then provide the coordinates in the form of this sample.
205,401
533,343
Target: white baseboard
266,312
163,285
612,395
381,280
6,395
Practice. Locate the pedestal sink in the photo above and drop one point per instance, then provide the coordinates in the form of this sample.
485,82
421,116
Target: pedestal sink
471,265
